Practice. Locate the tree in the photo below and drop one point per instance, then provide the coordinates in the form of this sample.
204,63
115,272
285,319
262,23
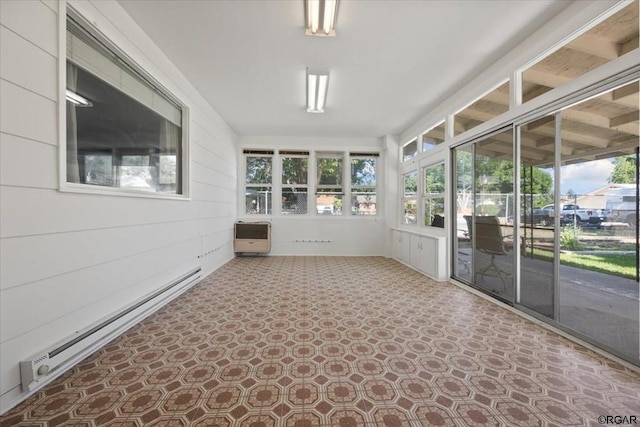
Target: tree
533,180
329,171
363,171
294,170
258,170
625,170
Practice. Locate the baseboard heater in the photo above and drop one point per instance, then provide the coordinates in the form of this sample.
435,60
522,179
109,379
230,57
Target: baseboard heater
47,365
252,237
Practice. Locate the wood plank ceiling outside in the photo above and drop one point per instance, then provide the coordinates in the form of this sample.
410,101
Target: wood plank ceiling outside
601,127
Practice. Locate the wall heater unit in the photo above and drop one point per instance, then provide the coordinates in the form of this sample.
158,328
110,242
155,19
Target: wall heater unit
252,237
47,365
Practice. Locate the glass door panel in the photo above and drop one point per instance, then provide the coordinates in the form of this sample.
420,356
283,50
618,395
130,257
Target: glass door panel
463,177
537,233
598,208
492,230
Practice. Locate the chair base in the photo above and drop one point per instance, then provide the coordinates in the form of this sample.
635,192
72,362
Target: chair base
493,270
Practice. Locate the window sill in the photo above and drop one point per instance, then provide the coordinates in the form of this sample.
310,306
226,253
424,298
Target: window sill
118,192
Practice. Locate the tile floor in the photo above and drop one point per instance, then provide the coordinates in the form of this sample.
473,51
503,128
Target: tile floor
333,341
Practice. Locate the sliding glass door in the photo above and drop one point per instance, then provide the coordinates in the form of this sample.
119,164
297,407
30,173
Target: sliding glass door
570,254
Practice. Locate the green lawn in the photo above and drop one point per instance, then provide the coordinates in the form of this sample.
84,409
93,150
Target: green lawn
617,265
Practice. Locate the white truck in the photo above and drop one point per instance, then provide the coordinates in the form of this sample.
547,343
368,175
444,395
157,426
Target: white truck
623,204
626,212
582,215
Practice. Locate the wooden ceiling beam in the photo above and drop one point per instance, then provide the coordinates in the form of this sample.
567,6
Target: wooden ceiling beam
535,92
498,147
569,115
595,46
576,138
625,91
497,97
544,78
501,143
538,123
548,145
624,119
461,126
628,46
599,121
602,152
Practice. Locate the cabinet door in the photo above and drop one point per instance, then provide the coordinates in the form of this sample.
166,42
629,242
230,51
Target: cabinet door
416,252
401,248
424,255
429,256
406,248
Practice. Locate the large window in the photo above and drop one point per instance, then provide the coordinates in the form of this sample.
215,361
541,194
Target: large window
122,130
329,188
258,182
278,182
363,183
295,171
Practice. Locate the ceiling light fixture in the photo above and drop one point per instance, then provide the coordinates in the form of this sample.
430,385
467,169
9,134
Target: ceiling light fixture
317,84
78,100
321,17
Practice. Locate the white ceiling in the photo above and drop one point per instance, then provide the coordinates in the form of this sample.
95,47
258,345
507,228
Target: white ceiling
390,62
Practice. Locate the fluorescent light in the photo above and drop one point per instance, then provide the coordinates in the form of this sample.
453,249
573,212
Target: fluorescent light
321,17
317,84
328,23
322,91
313,16
312,85
78,100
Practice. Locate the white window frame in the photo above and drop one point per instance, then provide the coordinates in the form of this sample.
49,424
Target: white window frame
352,188
410,197
294,154
276,185
425,196
340,188
275,207
65,12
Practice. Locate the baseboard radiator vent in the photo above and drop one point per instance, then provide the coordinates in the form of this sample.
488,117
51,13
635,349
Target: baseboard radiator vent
43,367
252,237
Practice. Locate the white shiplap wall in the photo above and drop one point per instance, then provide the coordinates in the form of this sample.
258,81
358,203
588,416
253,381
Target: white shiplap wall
69,259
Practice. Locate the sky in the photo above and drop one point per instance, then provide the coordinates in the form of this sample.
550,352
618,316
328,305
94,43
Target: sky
585,177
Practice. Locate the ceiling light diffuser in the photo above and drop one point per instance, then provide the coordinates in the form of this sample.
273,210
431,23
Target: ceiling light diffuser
321,17
317,84
78,100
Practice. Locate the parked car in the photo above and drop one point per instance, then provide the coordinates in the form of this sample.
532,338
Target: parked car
583,215
537,217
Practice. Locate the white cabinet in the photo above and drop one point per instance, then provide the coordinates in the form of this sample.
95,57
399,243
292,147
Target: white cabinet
402,246
419,254
424,253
